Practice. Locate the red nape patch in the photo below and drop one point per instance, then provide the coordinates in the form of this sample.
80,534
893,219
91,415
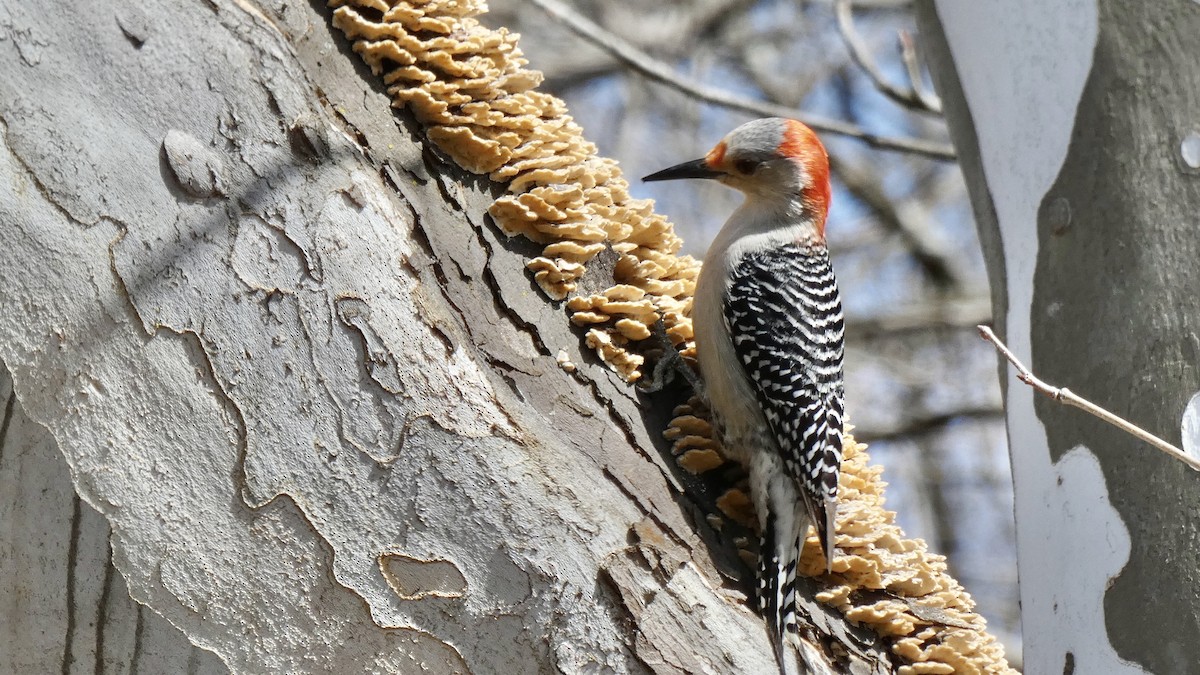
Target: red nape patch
800,143
715,157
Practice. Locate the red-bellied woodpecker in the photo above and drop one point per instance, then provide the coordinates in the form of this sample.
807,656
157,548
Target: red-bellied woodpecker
769,338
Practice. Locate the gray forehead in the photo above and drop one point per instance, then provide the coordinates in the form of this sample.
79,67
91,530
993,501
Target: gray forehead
759,138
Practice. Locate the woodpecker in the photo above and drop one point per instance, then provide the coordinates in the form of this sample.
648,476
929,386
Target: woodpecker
769,337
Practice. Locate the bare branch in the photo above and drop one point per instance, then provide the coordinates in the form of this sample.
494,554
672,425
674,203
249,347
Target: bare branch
858,51
907,97
927,424
961,313
908,53
1067,397
656,71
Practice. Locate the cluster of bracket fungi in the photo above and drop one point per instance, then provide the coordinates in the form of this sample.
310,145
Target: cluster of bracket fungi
468,86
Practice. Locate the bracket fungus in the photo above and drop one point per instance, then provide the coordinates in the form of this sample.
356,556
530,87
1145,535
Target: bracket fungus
468,85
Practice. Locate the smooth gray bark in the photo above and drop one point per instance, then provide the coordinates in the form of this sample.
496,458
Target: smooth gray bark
1072,121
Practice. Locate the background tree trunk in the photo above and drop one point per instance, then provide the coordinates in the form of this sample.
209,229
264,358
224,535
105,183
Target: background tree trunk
1077,132
316,398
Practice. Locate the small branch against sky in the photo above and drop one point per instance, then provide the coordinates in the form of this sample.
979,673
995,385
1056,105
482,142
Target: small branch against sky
924,424
656,71
910,97
908,53
951,314
1068,397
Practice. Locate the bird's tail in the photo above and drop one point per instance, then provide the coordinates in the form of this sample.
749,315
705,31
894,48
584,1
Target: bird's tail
779,555
823,514
822,507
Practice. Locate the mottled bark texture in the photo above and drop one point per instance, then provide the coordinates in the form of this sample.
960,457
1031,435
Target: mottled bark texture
1113,311
1116,310
64,607
312,392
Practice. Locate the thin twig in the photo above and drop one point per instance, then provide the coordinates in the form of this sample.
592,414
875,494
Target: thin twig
908,54
907,97
656,71
1066,396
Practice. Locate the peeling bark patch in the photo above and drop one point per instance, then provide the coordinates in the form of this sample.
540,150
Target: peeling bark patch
31,42
23,127
266,258
413,578
134,25
1190,427
1189,150
198,170
380,364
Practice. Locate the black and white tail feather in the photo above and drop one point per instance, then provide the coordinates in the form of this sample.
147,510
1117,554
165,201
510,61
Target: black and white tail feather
784,315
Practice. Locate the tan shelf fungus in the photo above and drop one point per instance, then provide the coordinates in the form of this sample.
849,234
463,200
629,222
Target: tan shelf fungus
468,85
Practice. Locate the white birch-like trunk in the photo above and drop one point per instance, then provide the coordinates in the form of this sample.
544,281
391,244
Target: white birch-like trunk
1074,122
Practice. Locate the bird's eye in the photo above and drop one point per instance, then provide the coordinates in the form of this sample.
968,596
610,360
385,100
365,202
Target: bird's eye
745,166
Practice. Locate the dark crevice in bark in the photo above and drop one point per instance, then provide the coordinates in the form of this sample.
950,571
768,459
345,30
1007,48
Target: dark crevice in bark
135,661
102,608
68,657
8,415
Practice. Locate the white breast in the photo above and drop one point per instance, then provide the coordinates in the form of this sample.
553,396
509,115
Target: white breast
730,393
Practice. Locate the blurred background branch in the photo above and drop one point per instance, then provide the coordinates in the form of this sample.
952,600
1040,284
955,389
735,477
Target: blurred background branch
656,71
914,96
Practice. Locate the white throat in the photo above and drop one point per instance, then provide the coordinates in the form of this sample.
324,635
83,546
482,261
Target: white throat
762,223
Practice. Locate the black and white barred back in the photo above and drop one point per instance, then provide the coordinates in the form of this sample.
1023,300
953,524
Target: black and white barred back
784,315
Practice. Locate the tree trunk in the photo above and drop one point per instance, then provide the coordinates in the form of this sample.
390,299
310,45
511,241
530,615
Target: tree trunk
315,396
1077,131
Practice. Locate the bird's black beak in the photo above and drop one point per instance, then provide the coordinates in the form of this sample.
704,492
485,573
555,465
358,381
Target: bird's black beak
697,168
